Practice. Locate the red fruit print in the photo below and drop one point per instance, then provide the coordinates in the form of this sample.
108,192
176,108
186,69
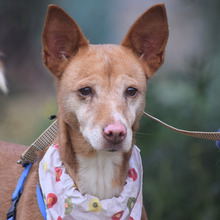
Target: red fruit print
58,173
56,146
51,200
117,216
131,218
59,218
132,174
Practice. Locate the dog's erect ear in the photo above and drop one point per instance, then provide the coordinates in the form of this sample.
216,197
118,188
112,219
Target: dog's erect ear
61,39
148,37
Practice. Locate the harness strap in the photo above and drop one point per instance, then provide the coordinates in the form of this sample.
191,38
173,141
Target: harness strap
41,204
11,215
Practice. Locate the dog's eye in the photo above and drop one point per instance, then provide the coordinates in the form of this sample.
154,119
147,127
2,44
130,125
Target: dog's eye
131,91
86,91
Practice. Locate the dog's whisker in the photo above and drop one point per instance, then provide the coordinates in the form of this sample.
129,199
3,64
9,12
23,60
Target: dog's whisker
143,134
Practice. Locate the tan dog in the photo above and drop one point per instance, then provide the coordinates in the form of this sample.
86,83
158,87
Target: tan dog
101,97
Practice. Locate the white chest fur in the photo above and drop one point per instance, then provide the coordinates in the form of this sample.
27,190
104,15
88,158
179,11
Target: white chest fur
97,173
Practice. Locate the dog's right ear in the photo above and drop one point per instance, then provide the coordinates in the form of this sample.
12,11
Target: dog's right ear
61,39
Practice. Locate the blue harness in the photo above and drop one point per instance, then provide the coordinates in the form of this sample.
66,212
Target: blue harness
11,215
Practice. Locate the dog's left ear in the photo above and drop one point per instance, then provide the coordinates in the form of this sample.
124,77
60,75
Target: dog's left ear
148,37
61,39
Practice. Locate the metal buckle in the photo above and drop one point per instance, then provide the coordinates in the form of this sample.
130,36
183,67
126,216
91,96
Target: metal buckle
23,161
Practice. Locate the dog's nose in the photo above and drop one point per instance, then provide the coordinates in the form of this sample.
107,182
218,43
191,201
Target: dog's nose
115,133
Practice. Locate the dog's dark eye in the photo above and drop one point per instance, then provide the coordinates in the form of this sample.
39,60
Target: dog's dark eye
131,91
86,91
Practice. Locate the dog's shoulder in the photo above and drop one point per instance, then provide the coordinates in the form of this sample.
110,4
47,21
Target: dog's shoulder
9,169
10,173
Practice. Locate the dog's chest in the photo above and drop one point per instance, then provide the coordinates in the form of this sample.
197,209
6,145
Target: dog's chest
96,174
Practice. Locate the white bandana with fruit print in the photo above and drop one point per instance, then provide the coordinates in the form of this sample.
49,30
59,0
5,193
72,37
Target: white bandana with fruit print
64,201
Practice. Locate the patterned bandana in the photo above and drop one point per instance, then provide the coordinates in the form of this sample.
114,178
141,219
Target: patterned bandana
64,201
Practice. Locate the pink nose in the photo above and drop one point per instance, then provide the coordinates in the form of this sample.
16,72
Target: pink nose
115,133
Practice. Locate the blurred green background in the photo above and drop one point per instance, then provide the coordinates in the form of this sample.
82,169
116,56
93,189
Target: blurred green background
181,178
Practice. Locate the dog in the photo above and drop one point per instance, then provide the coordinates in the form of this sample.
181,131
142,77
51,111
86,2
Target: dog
101,97
3,84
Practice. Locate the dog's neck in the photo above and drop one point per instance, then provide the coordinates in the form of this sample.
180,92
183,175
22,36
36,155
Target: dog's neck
99,173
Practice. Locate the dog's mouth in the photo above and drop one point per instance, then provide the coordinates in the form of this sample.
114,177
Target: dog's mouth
113,147
112,150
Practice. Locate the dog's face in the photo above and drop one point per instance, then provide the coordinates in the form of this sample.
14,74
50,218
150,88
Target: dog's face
102,87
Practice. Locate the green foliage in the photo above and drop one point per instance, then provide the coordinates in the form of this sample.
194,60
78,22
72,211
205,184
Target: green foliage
181,178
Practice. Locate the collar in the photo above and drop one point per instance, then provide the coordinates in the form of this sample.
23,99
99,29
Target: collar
64,201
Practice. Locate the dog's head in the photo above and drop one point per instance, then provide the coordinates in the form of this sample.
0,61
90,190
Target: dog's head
101,88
